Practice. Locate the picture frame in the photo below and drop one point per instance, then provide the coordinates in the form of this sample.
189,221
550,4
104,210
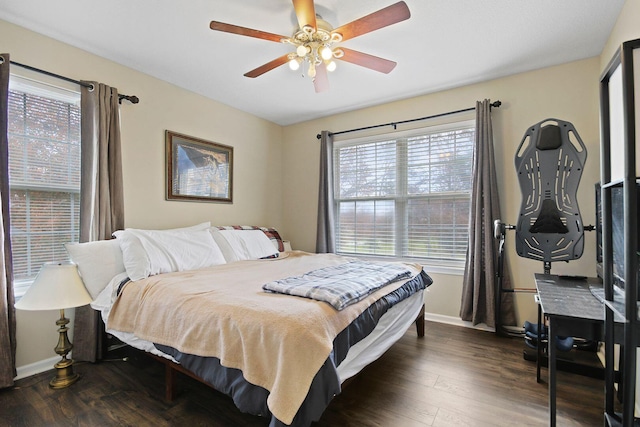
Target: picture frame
198,170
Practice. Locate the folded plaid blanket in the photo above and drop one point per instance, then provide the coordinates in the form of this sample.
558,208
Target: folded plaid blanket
340,285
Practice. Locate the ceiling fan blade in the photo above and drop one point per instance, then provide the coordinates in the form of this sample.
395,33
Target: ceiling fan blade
369,61
321,80
305,12
389,15
268,66
243,31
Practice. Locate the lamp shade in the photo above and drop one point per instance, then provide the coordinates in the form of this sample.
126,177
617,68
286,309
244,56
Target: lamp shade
57,286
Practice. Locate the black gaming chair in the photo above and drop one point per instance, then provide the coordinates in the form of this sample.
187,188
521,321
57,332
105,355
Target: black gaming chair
549,163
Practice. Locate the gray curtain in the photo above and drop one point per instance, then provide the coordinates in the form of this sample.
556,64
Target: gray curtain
101,196
479,282
325,237
7,299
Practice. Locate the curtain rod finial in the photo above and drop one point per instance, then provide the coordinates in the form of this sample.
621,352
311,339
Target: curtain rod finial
496,103
318,136
131,98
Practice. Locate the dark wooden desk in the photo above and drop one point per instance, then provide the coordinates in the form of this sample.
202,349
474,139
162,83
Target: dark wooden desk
573,311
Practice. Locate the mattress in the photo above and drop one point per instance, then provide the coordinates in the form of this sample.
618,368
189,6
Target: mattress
391,326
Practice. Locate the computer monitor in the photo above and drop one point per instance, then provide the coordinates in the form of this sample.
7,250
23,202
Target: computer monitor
617,232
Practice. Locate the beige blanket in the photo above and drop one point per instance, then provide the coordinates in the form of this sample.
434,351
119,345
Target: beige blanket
278,341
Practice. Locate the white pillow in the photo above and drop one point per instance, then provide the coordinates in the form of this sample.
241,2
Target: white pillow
98,262
167,251
245,244
223,244
135,258
180,250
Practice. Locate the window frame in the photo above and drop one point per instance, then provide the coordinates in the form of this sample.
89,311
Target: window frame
43,86
435,265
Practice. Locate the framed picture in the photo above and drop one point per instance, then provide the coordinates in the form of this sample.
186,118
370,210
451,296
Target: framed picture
198,170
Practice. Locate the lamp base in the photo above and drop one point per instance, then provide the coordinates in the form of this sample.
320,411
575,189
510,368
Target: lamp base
64,368
64,374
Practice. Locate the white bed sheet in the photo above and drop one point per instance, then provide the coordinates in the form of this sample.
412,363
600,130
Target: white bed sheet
391,326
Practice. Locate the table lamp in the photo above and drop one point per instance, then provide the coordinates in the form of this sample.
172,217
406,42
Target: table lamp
58,286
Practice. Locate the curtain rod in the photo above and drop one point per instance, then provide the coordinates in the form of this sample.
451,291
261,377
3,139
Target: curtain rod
131,98
394,124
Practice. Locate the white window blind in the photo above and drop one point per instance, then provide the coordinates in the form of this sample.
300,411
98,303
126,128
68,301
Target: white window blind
406,196
44,175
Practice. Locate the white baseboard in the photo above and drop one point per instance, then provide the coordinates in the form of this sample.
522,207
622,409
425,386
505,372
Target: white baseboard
36,367
456,321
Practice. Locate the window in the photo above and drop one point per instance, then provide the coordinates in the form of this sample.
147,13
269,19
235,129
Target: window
44,175
406,196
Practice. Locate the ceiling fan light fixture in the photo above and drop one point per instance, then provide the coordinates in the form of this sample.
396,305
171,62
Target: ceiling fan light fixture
326,53
312,70
331,66
302,50
294,64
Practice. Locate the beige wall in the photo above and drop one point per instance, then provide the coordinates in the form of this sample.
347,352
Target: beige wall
567,92
257,150
625,29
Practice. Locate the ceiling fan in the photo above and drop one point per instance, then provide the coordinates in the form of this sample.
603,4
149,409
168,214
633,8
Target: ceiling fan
315,39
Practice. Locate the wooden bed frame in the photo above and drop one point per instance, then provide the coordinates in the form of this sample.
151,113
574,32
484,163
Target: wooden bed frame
171,368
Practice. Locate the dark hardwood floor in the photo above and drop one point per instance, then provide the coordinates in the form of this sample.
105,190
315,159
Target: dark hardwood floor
453,377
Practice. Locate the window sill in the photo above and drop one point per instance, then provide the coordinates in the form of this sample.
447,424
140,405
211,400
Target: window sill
20,288
454,268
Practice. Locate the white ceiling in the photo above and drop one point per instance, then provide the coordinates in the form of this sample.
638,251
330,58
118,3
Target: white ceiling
445,44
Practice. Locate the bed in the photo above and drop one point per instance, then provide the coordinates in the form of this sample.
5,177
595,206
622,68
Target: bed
214,313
